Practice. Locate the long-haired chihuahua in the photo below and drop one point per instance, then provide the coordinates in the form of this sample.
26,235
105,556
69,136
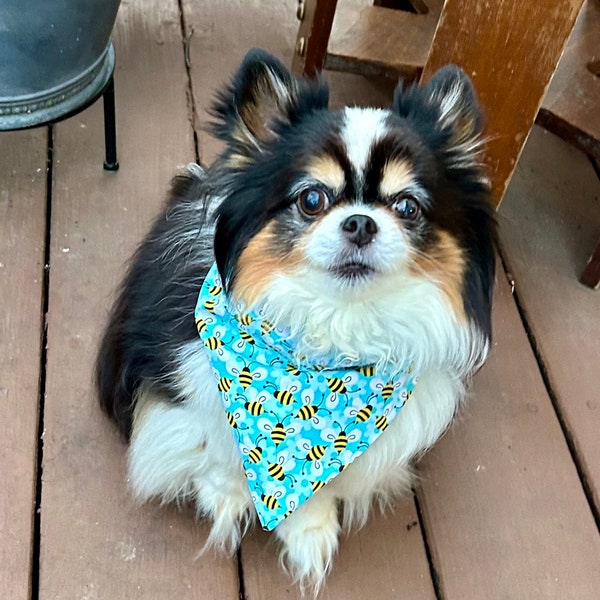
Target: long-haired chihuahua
301,320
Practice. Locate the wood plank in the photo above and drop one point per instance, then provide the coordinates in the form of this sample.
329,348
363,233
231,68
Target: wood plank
547,241
22,239
570,108
511,49
503,507
385,560
385,41
96,543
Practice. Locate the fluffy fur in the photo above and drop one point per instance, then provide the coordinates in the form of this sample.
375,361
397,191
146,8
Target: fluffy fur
367,232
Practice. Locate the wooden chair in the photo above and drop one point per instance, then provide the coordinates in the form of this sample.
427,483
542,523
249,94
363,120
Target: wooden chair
510,49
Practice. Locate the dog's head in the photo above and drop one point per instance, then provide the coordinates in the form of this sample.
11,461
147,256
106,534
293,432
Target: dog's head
362,229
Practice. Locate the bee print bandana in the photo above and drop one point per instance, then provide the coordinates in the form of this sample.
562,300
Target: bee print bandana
297,425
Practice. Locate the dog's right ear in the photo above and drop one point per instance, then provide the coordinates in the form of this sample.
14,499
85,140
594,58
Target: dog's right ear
262,97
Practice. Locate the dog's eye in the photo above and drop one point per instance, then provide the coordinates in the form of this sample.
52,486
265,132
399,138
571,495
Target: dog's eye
407,208
313,201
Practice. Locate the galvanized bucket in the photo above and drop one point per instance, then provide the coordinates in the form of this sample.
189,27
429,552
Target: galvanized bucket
55,58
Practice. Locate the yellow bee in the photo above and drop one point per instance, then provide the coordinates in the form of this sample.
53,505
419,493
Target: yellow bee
367,370
255,454
231,419
317,485
387,390
364,413
293,369
247,337
336,385
341,441
200,325
316,452
244,319
381,423
209,305
276,471
308,411
215,290
245,378
278,433
213,343
255,408
270,502
285,397
224,384
266,327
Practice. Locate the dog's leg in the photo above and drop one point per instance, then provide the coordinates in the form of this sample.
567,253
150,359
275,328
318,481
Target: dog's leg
310,539
186,451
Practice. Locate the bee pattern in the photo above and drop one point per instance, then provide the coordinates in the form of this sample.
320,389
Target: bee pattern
381,422
209,305
245,377
255,407
215,290
266,327
277,470
367,370
314,455
232,419
271,501
255,453
340,439
339,386
213,342
200,324
279,431
363,414
224,384
317,485
285,397
387,390
244,319
309,411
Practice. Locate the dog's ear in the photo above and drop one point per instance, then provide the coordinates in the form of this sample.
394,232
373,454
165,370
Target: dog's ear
262,97
446,110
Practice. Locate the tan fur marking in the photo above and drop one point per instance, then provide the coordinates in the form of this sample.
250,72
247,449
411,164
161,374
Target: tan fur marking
444,262
258,263
328,171
397,176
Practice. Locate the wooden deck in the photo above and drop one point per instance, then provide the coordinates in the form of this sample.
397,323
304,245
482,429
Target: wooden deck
509,500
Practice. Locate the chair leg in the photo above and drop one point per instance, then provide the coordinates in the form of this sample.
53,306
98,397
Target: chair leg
316,20
110,128
591,273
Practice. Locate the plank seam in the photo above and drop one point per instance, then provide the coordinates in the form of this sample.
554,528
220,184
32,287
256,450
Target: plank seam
545,374
189,92
433,570
241,581
37,518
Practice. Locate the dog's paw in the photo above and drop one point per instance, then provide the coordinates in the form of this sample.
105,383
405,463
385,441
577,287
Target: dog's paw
231,512
310,541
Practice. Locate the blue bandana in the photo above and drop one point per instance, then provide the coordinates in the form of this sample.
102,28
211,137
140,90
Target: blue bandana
297,425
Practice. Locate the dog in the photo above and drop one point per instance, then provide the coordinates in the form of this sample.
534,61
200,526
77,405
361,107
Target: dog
349,254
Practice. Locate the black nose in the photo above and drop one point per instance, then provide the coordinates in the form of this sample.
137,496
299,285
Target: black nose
359,229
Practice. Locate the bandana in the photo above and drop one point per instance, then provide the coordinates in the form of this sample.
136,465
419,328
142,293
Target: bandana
297,425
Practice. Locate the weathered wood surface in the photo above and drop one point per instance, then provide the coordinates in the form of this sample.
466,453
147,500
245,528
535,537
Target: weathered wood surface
510,49
550,226
22,243
96,543
571,108
385,41
504,510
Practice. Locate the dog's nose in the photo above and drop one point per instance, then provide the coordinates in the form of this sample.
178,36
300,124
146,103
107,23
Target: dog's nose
360,229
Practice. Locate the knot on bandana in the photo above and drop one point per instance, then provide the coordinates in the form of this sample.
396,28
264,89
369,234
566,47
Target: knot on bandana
297,426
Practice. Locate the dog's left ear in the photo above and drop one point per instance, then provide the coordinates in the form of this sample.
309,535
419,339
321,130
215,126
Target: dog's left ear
446,106
263,96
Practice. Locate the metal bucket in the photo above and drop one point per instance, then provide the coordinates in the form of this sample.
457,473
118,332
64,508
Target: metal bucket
55,58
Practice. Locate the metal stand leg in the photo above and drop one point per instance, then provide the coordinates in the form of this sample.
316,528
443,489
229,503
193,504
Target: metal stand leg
110,129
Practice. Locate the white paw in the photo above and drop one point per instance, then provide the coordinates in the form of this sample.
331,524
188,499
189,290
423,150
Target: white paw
310,540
